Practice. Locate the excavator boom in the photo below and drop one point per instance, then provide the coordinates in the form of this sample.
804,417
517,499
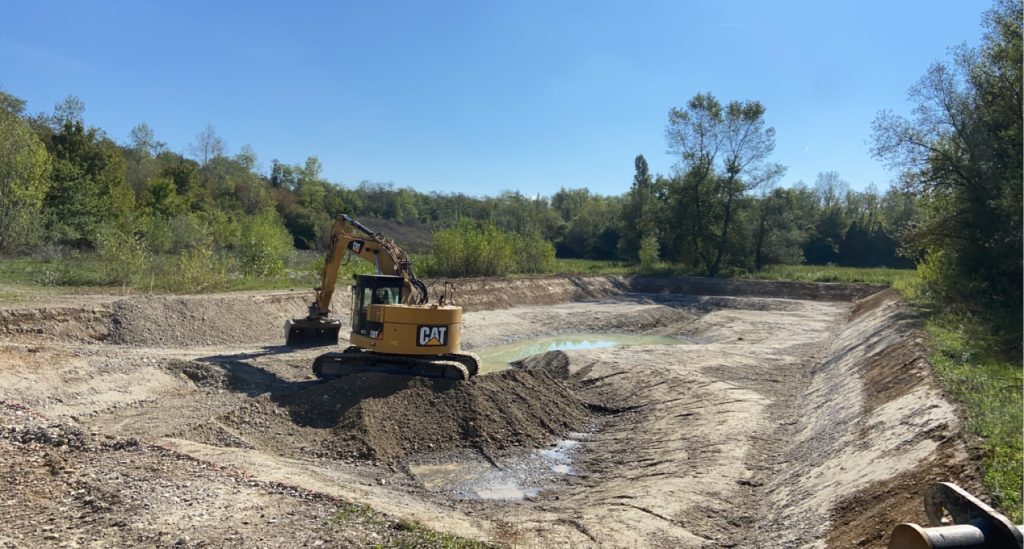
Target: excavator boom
349,236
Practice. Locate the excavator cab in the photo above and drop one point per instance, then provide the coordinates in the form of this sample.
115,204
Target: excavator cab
373,290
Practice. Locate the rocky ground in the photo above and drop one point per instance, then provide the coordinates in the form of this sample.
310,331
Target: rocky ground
182,421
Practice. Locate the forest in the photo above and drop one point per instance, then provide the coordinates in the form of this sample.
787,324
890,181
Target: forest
70,190
73,187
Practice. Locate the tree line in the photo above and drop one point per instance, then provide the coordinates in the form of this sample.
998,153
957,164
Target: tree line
722,210
66,183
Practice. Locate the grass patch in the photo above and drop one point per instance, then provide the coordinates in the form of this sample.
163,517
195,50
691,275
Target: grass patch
86,272
988,386
357,511
592,267
897,278
598,267
831,273
414,535
401,533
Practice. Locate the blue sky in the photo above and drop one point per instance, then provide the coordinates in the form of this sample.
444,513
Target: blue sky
480,97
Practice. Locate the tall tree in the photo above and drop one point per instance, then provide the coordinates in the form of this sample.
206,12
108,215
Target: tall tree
207,146
11,104
638,211
89,187
70,110
961,153
24,166
723,153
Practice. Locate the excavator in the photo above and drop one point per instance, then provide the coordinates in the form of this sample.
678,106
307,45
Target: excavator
394,328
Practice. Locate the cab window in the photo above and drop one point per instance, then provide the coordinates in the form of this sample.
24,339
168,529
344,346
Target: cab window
387,296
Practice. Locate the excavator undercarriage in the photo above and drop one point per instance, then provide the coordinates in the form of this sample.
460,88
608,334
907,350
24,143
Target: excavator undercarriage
353,360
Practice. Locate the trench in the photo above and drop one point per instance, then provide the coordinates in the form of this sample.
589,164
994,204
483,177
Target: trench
611,413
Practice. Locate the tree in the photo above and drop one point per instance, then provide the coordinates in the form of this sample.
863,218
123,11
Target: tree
69,111
89,187
777,236
247,158
24,166
142,140
723,153
11,104
961,153
638,214
207,146
830,189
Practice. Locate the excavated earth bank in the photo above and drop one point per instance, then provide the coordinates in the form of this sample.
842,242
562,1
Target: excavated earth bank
789,415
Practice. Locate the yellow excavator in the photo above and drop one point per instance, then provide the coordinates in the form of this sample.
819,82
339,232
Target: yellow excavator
394,328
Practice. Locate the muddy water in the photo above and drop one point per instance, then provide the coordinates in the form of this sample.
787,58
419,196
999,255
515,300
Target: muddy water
514,480
498,357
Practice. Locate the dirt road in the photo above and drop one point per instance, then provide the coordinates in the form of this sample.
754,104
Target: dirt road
785,416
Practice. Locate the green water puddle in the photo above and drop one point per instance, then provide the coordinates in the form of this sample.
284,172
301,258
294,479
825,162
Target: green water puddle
498,357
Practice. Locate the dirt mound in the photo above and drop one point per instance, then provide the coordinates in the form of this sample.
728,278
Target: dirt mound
204,320
386,418
492,413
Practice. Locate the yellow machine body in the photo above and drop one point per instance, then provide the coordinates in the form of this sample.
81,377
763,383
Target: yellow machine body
423,330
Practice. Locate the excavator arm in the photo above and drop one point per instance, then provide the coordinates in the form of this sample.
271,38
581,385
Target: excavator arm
349,236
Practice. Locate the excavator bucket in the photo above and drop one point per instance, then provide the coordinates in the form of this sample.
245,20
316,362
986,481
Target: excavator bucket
303,332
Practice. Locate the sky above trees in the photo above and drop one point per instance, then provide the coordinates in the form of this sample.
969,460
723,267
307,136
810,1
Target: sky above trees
478,97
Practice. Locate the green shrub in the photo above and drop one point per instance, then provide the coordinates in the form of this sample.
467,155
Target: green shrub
649,251
200,270
533,254
123,254
264,245
471,250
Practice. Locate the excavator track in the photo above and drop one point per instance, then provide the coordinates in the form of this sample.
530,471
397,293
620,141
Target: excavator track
354,360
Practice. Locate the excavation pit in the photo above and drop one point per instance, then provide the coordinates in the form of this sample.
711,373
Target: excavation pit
770,416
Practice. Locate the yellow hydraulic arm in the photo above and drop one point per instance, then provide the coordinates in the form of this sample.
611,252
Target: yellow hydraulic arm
351,236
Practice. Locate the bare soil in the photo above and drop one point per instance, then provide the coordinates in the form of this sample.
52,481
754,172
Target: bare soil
789,415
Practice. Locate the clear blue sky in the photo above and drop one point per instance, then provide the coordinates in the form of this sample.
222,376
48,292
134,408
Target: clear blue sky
478,97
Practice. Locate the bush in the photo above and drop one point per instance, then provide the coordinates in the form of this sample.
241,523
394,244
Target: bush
470,250
123,254
200,270
264,245
649,251
533,254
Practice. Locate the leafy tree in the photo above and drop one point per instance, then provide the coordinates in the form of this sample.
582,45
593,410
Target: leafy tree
24,167
961,153
263,245
639,213
247,158
778,235
11,104
143,141
88,185
160,198
69,111
723,152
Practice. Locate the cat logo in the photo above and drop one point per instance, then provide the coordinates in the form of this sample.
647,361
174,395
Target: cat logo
432,336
